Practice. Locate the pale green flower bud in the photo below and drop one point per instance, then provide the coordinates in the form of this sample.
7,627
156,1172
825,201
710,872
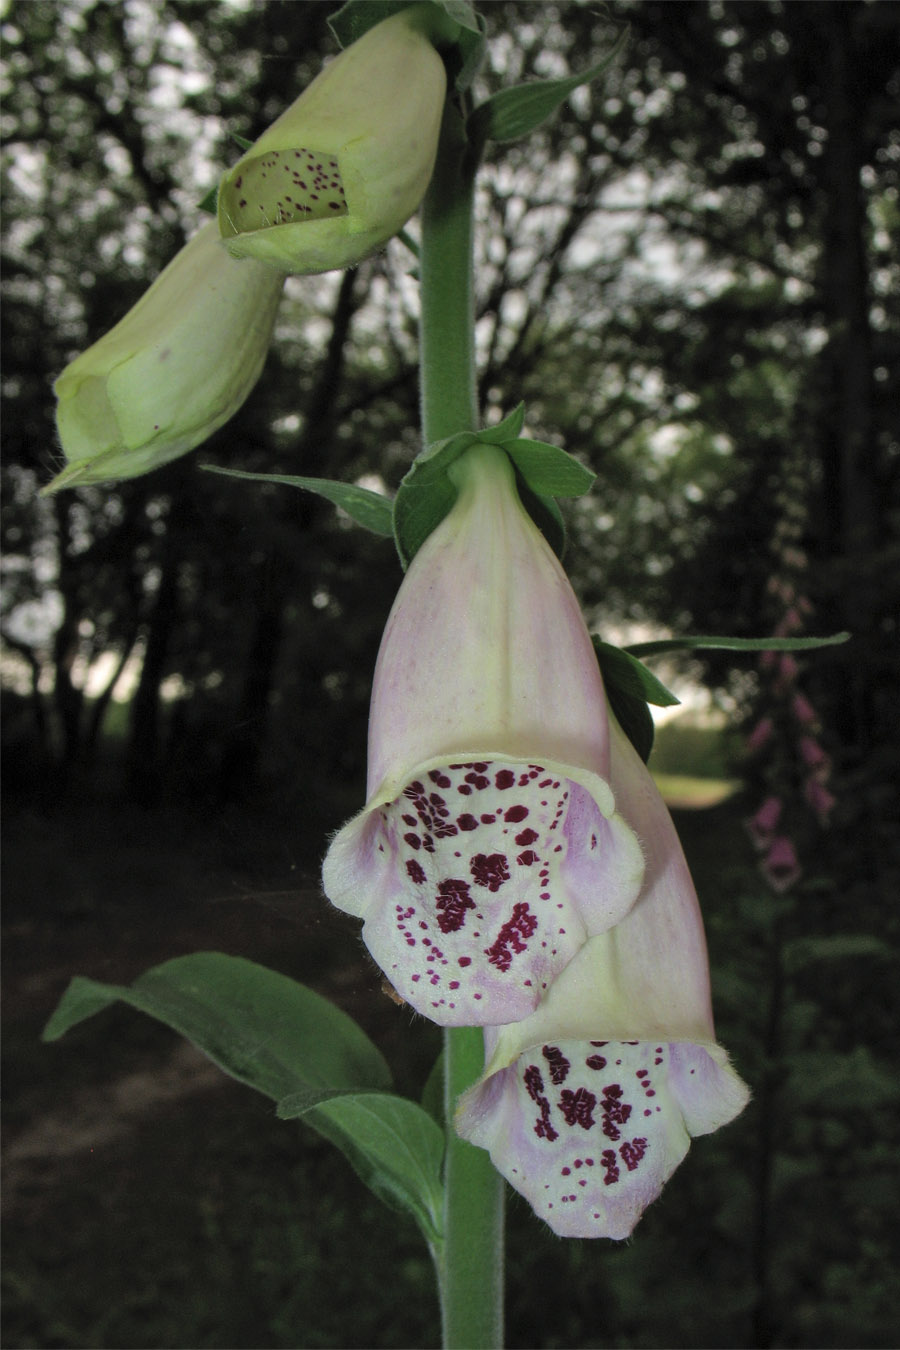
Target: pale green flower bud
172,371
345,166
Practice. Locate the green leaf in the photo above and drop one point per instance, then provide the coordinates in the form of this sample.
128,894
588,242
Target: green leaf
839,1081
627,673
630,686
369,509
804,951
241,141
733,644
260,1027
393,1144
515,112
547,469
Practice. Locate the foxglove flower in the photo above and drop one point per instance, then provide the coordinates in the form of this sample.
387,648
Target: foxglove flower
781,866
174,369
490,848
588,1106
347,164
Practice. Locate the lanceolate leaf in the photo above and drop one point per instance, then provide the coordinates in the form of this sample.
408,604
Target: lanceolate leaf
260,1027
733,644
369,509
622,669
630,686
279,1037
512,113
393,1143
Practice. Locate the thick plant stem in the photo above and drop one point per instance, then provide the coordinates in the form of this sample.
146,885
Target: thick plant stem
471,1274
449,396
470,1262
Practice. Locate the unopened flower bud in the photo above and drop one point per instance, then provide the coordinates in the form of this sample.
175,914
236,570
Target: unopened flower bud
172,371
347,164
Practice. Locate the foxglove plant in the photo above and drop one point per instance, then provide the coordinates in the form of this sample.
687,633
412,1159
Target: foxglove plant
490,848
519,877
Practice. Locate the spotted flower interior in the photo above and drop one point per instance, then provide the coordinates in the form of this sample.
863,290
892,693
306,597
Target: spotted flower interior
493,875
589,1132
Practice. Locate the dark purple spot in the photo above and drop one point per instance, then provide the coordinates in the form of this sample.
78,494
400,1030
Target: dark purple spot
559,1065
511,937
578,1106
453,901
490,870
632,1152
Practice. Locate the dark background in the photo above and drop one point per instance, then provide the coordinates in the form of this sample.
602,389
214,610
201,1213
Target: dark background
690,277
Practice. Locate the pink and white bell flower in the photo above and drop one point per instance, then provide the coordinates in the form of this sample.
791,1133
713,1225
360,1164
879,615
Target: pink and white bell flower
490,848
589,1105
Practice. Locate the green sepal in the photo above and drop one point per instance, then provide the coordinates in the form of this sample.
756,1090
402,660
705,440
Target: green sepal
210,203
259,1026
548,470
426,494
392,1143
369,509
546,515
455,25
734,644
515,112
630,687
543,472
507,429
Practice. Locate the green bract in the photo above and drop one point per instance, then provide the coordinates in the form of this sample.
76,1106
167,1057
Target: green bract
345,166
172,371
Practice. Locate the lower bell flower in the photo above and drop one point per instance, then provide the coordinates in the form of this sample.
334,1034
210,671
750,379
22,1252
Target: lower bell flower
589,1105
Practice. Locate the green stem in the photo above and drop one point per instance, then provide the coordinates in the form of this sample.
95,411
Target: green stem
449,394
471,1272
470,1263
